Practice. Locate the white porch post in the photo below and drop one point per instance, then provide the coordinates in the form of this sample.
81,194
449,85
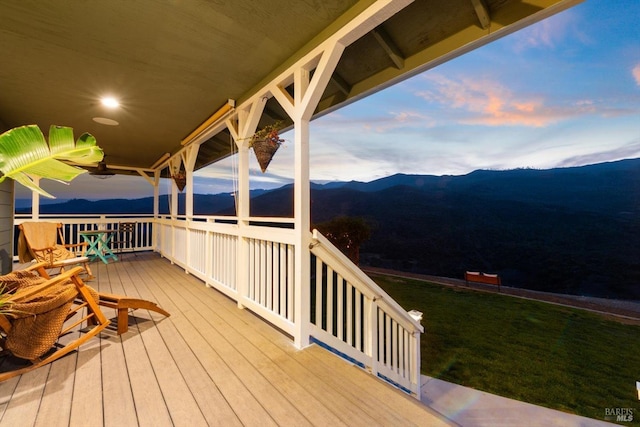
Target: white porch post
242,213
174,165
307,93
156,193
173,208
302,224
241,130
35,200
190,156
156,209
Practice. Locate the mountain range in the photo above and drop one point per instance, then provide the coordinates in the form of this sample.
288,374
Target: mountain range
569,230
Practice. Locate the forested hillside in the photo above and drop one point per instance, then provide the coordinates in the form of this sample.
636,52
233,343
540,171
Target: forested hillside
570,230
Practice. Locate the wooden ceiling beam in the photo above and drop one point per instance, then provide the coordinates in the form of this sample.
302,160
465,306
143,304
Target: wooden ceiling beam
482,11
341,83
389,46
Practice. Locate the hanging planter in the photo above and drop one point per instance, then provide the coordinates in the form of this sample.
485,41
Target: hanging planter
180,178
265,143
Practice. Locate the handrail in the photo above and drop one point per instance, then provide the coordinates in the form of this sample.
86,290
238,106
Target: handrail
28,216
358,320
353,274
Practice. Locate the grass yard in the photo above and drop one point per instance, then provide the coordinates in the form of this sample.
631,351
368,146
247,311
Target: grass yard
558,357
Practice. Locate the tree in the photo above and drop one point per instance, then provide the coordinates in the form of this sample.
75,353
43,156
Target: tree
347,233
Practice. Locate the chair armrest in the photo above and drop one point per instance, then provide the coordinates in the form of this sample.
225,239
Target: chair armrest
40,267
35,266
32,290
75,245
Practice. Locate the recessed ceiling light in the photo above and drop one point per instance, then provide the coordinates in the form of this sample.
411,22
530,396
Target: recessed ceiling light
105,121
110,102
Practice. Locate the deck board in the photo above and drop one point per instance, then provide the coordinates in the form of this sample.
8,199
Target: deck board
209,363
55,405
25,399
86,408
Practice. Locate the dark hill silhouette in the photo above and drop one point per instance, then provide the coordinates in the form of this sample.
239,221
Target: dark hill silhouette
570,230
202,203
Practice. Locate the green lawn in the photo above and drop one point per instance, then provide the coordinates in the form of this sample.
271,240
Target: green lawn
557,357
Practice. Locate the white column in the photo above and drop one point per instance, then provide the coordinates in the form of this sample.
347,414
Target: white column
307,93
35,200
190,157
243,213
174,166
301,209
241,130
156,211
302,224
156,194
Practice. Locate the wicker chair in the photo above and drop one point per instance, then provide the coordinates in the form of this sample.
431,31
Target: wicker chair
37,311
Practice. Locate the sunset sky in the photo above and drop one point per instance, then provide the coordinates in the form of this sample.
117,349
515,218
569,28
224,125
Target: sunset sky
563,92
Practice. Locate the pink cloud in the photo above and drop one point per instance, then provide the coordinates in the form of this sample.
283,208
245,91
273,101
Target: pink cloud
489,102
636,74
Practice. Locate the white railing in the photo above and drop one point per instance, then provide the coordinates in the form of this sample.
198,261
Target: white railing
356,318
206,249
347,312
210,248
271,273
143,239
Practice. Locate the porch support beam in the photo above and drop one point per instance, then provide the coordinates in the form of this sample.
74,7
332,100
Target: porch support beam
307,93
300,107
156,210
35,199
241,128
189,157
146,176
174,165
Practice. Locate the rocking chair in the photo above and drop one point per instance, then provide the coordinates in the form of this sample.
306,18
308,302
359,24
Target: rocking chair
36,313
122,304
39,241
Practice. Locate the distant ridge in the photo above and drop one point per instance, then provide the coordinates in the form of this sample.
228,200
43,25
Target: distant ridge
570,230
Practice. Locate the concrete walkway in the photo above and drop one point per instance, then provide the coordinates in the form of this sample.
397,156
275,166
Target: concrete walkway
467,407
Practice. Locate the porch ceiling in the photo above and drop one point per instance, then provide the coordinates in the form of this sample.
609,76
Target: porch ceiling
173,64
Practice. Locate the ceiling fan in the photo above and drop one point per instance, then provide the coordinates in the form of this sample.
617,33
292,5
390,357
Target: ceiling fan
102,171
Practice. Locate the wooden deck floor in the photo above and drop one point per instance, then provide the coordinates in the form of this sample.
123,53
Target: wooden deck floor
210,363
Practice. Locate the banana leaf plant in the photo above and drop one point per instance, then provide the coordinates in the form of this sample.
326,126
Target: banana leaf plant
24,153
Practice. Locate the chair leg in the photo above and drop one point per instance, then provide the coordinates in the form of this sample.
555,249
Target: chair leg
88,270
123,320
123,304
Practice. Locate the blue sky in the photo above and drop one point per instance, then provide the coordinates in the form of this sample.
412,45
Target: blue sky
562,92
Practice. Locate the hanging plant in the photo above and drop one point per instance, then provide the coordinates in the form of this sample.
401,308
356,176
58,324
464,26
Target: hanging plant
265,143
24,153
180,178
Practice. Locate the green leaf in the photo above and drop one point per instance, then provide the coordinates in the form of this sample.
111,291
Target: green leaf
25,153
